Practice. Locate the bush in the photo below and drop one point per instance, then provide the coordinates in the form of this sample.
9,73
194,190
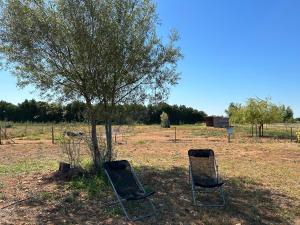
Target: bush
70,147
164,120
298,136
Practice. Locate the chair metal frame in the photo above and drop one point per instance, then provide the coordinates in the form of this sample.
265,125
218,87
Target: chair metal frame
205,190
122,200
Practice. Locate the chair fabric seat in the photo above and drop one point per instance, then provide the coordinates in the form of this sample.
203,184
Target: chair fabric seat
127,186
203,171
138,195
212,185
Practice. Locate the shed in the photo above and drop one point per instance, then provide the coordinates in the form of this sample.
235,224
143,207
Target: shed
217,121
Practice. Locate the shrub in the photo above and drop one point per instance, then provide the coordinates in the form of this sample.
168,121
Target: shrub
298,136
70,147
164,120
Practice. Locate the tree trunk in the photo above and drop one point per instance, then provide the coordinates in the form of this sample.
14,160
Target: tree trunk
108,132
252,129
256,130
261,130
94,139
96,152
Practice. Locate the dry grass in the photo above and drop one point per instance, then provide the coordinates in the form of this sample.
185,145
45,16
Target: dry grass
262,180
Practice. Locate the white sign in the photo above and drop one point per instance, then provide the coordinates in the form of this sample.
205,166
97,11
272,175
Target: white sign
229,130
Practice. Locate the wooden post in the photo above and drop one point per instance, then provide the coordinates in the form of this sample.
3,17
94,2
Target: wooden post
291,134
115,137
5,127
175,135
0,135
52,131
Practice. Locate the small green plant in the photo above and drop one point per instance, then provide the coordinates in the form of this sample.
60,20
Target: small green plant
164,120
298,136
45,195
2,196
141,142
94,186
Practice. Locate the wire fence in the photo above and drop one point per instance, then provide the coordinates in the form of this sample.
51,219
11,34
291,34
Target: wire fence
11,132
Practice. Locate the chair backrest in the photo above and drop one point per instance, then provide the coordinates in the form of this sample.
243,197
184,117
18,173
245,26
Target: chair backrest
121,175
203,166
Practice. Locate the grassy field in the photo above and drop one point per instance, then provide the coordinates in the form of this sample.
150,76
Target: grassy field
262,177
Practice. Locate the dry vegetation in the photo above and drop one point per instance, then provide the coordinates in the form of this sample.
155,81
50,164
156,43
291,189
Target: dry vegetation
262,178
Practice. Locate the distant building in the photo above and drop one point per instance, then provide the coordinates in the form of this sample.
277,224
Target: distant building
217,121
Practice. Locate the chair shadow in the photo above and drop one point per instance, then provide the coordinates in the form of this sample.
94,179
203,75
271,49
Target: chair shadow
247,202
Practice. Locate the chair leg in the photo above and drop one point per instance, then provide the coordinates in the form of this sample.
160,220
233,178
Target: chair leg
221,194
192,186
143,216
189,174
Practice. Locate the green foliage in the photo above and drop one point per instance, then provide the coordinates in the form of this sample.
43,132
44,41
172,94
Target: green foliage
164,120
106,52
38,111
235,113
259,111
298,136
288,114
93,186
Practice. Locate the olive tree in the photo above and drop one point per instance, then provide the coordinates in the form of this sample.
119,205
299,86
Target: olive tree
99,51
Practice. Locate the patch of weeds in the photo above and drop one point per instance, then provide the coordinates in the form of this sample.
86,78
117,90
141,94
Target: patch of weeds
26,166
70,198
141,142
242,141
94,186
113,210
209,132
243,182
45,195
34,137
2,197
86,164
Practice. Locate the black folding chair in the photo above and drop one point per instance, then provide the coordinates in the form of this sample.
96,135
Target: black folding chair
127,186
203,174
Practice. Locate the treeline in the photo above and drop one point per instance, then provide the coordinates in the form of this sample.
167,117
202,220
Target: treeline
39,111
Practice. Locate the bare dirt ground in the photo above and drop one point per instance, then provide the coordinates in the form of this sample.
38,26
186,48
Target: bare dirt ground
262,181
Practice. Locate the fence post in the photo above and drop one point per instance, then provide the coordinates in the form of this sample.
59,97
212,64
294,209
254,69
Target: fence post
52,131
291,134
0,135
5,127
175,135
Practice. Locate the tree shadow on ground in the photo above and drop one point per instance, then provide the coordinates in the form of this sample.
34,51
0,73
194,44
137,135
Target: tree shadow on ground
247,202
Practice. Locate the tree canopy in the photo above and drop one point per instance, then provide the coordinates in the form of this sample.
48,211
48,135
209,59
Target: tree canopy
105,52
258,111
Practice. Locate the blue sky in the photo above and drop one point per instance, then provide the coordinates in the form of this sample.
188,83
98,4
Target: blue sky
232,50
